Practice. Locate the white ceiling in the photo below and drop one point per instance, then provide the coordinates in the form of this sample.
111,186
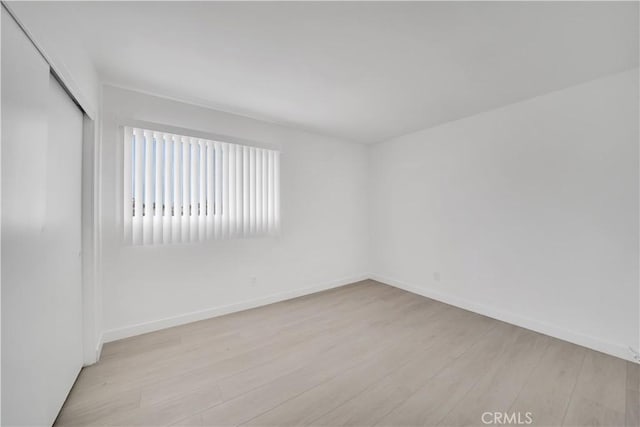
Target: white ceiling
356,70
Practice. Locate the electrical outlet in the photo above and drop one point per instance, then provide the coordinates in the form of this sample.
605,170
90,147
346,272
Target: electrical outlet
436,276
253,280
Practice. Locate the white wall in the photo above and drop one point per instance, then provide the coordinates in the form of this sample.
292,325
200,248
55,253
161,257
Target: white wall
322,243
528,213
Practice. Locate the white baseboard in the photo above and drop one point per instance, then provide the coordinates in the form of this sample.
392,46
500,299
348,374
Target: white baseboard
155,325
99,347
93,355
613,349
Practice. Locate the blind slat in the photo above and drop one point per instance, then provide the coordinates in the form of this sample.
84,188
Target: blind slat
217,202
265,194
270,191
186,189
176,220
224,205
252,190
158,163
245,191
202,203
128,182
194,196
210,191
167,188
138,166
147,219
276,191
258,207
239,191
231,190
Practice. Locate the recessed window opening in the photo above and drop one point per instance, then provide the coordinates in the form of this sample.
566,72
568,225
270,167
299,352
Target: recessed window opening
180,189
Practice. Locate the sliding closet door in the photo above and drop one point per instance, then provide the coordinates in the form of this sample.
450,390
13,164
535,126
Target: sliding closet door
63,262
41,293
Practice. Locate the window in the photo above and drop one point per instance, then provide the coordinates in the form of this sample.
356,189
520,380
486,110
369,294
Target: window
180,189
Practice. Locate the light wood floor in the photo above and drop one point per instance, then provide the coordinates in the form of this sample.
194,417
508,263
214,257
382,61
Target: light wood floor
363,354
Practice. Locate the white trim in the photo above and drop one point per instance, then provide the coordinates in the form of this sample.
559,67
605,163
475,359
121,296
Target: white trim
613,349
89,273
168,322
99,347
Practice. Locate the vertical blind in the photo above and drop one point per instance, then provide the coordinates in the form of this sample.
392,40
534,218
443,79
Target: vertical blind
180,189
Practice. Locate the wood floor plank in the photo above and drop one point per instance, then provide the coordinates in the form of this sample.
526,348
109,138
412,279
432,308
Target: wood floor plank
599,396
358,355
547,391
633,376
166,412
99,410
632,412
497,388
632,405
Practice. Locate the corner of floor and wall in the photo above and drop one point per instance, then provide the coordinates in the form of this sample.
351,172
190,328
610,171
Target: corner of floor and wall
527,213
521,213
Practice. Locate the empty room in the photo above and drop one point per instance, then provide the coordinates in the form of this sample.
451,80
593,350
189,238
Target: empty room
257,213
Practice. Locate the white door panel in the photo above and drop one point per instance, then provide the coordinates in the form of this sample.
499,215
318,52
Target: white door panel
62,230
